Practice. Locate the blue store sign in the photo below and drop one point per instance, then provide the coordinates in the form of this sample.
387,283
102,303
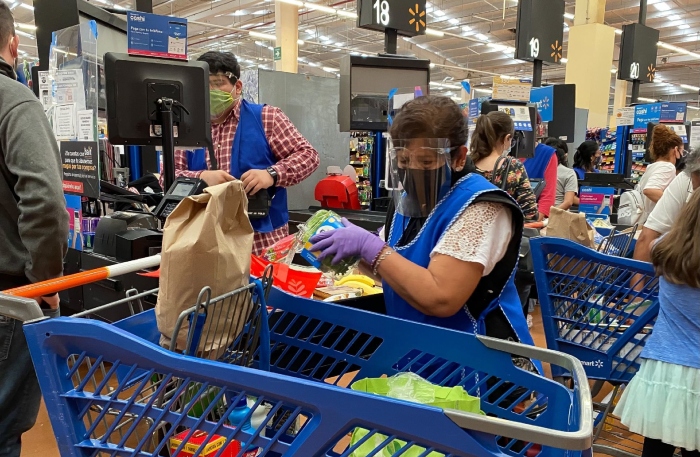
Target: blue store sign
152,35
543,97
644,114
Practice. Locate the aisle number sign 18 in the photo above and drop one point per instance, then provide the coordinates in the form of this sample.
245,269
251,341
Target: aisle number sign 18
408,17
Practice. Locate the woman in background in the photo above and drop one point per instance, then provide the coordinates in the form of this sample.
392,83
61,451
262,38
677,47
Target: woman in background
567,184
584,158
489,149
662,402
666,148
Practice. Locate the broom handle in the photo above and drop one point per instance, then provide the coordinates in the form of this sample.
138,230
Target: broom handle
52,286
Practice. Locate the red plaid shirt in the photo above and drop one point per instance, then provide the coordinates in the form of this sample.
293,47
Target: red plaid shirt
296,158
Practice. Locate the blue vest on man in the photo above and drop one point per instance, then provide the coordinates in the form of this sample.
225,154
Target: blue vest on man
251,151
460,196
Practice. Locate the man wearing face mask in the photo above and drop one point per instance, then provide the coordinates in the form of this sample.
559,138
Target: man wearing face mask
257,144
34,228
452,237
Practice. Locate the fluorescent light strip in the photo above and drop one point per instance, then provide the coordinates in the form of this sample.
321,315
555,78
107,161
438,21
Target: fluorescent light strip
264,36
25,26
322,8
25,34
436,33
569,16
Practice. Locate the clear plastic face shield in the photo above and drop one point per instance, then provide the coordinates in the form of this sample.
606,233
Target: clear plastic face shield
420,172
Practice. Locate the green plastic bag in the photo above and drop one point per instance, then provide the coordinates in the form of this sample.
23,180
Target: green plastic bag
409,387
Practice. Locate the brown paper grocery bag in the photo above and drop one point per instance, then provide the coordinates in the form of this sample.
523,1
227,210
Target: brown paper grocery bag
572,226
207,241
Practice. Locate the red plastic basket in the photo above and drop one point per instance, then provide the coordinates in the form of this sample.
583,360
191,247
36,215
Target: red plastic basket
296,282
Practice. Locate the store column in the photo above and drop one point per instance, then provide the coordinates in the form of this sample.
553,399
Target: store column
286,30
620,100
590,56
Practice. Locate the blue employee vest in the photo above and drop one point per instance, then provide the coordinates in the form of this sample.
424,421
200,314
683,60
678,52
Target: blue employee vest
251,151
462,194
535,166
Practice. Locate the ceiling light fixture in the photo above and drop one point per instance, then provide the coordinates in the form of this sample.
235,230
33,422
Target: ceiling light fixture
482,37
263,36
569,16
330,69
300,42
25,26
684,26
434,32
29,7
563,60
675,17
689,87
662,6
453,21
25,34
644,99
618,32
325,9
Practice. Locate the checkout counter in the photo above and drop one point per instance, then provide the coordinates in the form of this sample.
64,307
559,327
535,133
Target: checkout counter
109,290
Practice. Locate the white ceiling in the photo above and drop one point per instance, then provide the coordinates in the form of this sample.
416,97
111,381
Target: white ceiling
478,34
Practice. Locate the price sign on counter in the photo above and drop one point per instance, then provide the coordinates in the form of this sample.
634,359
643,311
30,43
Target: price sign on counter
408,17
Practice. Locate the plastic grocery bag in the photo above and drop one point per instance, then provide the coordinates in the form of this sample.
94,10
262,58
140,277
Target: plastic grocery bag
409,387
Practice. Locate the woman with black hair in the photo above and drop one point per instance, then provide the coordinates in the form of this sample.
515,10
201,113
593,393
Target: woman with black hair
584,158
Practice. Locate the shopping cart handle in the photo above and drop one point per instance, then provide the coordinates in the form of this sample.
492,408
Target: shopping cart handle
22,309
582,439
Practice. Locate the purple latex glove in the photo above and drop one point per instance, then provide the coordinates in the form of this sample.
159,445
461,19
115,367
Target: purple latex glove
344,243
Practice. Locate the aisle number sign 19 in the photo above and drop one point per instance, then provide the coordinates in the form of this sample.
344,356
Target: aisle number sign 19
408,17
540,30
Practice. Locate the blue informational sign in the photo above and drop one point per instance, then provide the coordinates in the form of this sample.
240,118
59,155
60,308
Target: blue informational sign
643,114
474,108
596,200
673,111
543,97
152,35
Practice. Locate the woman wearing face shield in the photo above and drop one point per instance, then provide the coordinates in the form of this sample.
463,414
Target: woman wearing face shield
453,239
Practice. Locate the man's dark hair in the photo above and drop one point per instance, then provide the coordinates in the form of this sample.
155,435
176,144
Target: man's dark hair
222,62
7,24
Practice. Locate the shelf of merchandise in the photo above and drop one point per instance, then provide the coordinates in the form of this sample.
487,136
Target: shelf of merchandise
639,164
362,147
608,145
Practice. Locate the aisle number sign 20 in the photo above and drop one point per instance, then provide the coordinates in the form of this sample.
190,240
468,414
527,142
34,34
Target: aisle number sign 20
408,17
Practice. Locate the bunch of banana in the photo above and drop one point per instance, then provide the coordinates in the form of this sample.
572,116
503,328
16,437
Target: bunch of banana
362,282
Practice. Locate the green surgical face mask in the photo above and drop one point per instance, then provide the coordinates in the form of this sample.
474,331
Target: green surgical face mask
219,102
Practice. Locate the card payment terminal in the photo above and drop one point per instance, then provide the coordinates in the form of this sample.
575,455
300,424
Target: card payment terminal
182,187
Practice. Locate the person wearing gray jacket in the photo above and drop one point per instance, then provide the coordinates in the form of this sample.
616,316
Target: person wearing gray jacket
33,228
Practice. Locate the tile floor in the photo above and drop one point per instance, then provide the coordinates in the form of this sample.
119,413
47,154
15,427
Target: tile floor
40,442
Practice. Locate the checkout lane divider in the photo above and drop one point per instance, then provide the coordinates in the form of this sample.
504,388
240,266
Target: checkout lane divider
53,286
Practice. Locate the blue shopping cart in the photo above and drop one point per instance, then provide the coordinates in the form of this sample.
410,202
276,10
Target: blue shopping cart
600,309
105,388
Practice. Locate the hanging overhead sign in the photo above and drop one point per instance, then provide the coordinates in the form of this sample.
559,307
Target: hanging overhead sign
408,17
540,30
152,35
638,53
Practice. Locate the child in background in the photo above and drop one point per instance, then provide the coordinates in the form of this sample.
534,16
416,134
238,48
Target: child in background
662,402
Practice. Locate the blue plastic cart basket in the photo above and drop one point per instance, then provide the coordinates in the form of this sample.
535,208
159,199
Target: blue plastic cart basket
314,345
600,309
